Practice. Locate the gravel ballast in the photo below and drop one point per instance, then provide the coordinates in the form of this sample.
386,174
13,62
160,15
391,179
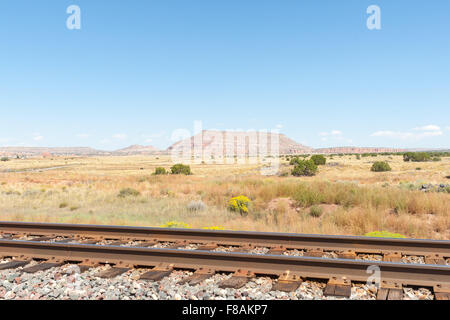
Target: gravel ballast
67,283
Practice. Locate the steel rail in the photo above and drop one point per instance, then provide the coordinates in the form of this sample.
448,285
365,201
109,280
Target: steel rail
288,240
308,267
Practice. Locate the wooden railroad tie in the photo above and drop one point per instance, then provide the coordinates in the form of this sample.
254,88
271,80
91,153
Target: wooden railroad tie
149,243
349,254
287,282
434,259
238,280
199,276
390,291
392,256
277,250
442,292
178,244
157,273
16,263
48,264
208,246
244,249
115,271
338,287
318,253
87,264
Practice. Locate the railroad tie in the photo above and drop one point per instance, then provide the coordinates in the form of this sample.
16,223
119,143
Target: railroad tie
349,254
14,264
442,292
390,291
114,271
157,273
393,256
199,276
318,253
147,244
244,249
43,238
287,282
90,241
434,259
178,244
277,250
66,240
119,242
208,246
87,264
51,263
238,280
338,287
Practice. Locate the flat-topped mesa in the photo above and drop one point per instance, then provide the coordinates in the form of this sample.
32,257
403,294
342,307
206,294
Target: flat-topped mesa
48,151
357,150
235,143
137,149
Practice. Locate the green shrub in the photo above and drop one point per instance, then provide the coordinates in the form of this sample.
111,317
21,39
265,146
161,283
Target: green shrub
239,204
315,211
181,169
436,159
319,159
380,166
63,205
294,161
384,234
358,157
160,170
304,168
416,156
4,159
128,192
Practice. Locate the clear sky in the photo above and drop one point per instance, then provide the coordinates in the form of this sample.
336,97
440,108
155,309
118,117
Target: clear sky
138,70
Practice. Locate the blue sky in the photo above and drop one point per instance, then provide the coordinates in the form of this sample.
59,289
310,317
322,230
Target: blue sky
138,70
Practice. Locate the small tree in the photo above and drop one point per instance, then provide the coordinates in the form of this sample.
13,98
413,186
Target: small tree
160,170
305,168
181,169
294,161
380,166
319,159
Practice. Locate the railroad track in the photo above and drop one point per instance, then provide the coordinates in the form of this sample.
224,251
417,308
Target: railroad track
89,246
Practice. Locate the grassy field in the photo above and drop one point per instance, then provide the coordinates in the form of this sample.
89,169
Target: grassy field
345,197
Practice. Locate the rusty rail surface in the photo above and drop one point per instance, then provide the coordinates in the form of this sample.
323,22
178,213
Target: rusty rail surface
237,238
354,270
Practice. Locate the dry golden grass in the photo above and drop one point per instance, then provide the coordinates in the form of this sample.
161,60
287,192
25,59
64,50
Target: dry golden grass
355,200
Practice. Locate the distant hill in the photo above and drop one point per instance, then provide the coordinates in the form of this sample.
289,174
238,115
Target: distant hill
357,150
239,142
35,151
136,149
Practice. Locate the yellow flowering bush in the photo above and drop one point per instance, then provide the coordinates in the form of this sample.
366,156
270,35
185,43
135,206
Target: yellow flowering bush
176,224
239,204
